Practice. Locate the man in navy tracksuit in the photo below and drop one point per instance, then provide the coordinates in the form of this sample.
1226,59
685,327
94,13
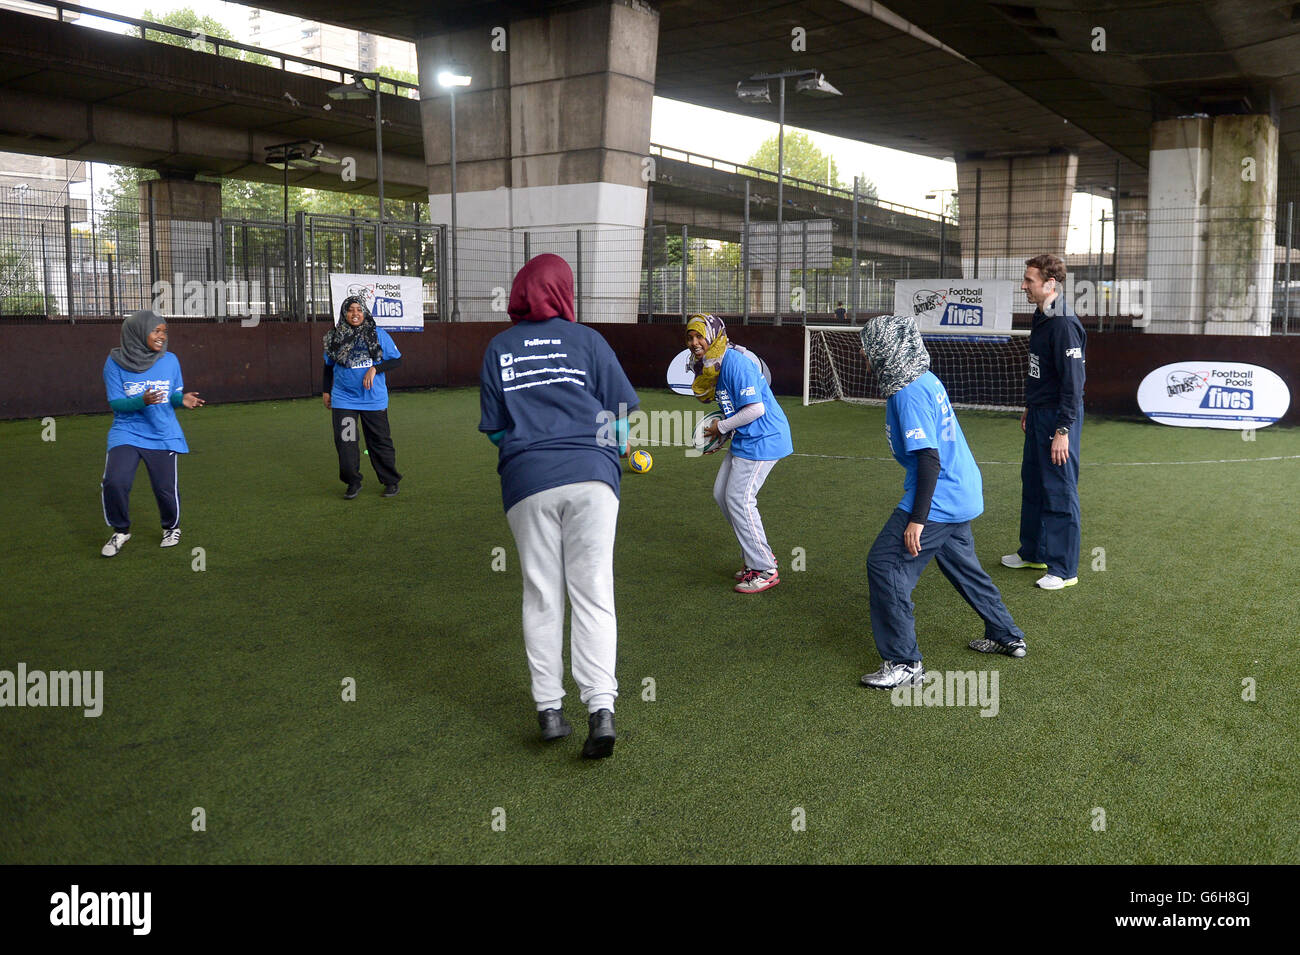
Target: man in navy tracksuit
1049,507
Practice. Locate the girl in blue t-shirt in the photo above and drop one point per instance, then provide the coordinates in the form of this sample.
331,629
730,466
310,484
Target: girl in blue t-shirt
357,354
762,437
144,387
942,494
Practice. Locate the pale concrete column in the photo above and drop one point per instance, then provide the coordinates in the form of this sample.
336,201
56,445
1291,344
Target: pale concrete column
1210,224
551,139
182,214
1024,209
1242,235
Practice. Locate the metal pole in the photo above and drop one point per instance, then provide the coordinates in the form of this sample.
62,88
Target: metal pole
577,278
45,269
1286,294
455,274
853,265
780,199
153,244
650,251
1114,255
311,266
978,171
67,257
943,243
744,253
685,241
381,253
803,266
300,264
112,302
218,263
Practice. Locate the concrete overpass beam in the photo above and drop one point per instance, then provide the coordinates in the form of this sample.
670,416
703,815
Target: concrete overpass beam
1024,209
176,214
550,138
1210,225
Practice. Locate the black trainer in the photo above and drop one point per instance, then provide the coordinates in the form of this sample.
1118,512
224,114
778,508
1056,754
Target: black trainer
600,736
390,490
554,725
352,491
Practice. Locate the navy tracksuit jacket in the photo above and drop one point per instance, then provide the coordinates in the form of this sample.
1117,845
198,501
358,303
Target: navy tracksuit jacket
1049,510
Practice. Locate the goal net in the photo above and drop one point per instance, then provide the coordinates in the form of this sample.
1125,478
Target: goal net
978,371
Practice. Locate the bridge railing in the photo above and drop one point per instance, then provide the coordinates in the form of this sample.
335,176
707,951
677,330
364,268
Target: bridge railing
754,172
198,41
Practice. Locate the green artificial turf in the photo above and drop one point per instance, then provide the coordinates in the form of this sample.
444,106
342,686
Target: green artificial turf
222,687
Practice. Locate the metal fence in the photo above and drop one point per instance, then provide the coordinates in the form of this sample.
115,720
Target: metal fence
1207,269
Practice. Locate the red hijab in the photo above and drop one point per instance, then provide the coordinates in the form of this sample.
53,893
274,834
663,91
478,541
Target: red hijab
543,289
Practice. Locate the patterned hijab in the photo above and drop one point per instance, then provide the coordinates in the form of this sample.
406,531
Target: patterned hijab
897,354
714,332
134,354
340,340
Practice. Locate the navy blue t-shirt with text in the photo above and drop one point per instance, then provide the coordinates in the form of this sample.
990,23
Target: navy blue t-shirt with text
553,386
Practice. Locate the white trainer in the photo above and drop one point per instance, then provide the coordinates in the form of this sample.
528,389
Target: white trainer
115,543
891,675
1016,562
171,537
1052,582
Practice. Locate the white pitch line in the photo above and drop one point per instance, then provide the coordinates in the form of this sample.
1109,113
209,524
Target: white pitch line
1086,464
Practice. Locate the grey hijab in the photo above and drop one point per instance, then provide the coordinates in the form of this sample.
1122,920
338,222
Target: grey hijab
897,354
134,354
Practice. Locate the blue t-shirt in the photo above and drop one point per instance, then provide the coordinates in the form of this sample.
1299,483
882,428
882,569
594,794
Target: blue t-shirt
153,426
555,388
740,383
348,392
920,416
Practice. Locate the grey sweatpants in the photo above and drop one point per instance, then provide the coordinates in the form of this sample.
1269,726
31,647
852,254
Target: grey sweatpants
736,491
565,537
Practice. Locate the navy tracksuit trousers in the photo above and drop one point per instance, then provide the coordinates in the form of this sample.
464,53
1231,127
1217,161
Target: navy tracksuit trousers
892,574
1049,501
119,474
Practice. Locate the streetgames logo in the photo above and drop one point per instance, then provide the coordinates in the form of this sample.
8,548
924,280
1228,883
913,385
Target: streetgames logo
962,307
1225,389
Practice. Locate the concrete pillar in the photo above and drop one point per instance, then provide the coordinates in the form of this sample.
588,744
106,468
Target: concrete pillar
182,240
1024,209
551,138
1210,224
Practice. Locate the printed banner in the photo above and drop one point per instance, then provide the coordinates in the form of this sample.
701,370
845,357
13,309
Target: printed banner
1213,394
395,301
955,305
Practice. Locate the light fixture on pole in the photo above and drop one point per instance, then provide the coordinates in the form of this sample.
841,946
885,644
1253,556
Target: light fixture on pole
300,154
756,90
449,78
358,90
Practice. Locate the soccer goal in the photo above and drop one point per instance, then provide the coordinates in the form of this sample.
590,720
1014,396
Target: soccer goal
978,370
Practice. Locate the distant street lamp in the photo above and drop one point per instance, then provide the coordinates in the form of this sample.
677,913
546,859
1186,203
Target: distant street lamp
358,90
449,79
300,154
756,89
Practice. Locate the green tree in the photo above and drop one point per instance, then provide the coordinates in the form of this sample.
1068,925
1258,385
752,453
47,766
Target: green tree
803,160
866,187
20,292
394,73
199,29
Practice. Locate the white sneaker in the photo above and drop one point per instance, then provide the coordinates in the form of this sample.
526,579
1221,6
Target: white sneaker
1016,562
1052,582
115,543
891,675
171,538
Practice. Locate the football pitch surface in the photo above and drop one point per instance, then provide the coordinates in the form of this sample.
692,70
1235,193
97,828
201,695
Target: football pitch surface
743,733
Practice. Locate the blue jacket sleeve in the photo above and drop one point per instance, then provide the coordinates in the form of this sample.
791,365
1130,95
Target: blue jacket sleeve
1068,351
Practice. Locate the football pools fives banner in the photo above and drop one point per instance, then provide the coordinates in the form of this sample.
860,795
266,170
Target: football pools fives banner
396,302
955,305
1213,394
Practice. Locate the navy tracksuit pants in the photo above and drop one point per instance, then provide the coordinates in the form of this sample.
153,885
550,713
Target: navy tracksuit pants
1049,501
119,474
892,574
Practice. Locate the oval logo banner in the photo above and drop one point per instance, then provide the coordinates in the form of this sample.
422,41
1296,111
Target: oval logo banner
1213,394
680,374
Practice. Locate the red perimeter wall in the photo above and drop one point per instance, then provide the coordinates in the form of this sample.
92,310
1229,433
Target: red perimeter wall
57,368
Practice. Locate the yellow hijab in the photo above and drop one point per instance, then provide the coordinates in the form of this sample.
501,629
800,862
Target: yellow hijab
714,332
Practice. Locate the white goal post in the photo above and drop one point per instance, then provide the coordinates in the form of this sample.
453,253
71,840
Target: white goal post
984,370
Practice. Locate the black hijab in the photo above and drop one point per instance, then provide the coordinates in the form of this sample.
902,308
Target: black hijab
340,339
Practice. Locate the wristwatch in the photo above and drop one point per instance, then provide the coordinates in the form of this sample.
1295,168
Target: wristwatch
1063,432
